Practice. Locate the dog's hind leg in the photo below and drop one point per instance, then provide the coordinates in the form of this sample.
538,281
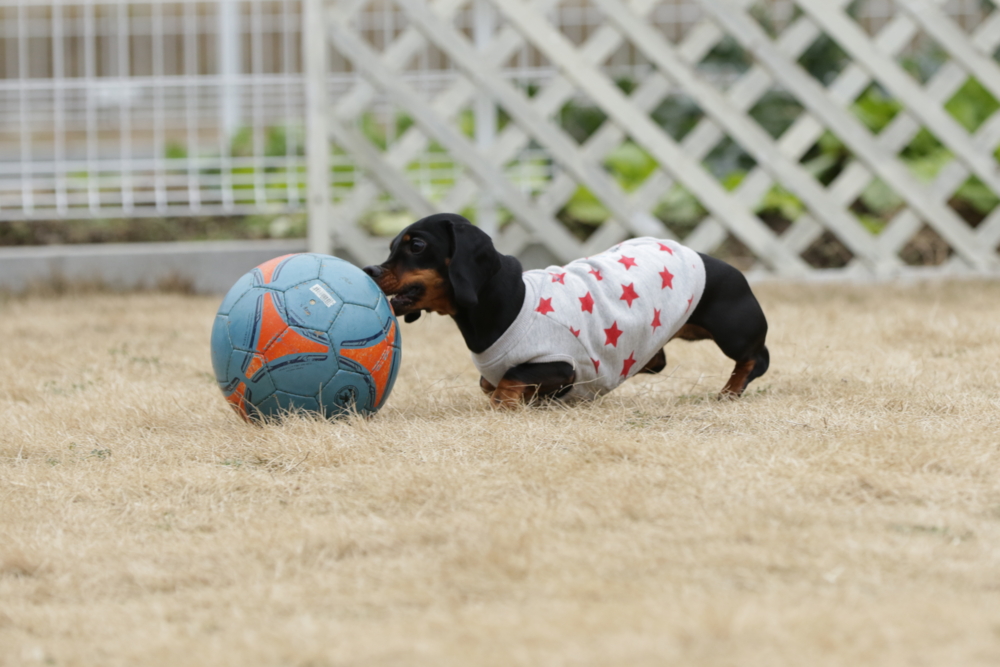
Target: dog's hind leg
731,316
656,364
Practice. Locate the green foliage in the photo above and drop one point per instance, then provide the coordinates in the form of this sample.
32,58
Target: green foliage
824,59
876,109
580,120
585,208
630,165
972,105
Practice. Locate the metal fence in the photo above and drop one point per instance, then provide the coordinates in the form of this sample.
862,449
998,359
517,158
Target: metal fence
149,108
172,108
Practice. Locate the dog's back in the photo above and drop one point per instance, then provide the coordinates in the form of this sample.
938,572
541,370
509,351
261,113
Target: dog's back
607,315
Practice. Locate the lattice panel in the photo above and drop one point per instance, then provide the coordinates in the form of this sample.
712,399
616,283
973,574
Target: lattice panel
491,160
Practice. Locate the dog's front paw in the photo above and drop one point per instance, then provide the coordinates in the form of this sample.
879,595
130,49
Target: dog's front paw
485,385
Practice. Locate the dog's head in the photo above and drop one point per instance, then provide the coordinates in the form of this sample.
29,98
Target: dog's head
437,264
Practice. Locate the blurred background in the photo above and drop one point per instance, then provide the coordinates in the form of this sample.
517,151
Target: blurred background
157,121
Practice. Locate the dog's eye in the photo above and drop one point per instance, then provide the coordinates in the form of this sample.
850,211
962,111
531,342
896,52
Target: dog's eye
417,246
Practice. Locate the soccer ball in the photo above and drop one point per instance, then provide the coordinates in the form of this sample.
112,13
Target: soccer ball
305,332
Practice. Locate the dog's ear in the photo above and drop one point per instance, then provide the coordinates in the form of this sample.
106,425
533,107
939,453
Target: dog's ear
474,260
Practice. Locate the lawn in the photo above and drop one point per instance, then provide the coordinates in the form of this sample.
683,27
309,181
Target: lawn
845,511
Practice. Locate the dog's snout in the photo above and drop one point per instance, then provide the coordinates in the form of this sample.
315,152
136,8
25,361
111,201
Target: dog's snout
374,271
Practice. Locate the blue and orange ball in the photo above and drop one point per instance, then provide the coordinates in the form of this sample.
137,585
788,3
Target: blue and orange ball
305,332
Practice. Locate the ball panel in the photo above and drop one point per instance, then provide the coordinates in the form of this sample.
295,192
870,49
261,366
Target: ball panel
292,403
269,407
351,283
311,305
235,394
349,391
390,380
376,357
257,320
283,272
356,326
235,292
244,319
221,347
252,370
384,310
300,362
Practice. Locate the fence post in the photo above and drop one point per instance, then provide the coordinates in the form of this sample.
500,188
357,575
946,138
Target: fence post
230,66
317,137
485,112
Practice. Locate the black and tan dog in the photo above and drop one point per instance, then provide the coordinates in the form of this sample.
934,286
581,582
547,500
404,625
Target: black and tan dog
446,265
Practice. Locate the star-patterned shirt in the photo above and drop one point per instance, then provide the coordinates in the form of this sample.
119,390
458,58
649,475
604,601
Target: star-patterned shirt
606,315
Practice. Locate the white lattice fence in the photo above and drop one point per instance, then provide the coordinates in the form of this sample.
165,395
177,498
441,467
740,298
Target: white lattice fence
491,184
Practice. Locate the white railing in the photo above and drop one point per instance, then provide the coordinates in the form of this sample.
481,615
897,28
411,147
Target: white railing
180,107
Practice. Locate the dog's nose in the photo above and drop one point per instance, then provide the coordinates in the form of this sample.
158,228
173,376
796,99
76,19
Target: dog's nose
374,271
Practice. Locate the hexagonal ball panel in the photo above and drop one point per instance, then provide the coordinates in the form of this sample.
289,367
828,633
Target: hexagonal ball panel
347,392
348,281
356,326
312,305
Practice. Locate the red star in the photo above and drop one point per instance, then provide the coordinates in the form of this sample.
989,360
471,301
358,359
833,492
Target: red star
656,320
597,365
575,332
596,274
628,294
689,303
666,248
629,262
545,306
668,278
613,334
558,278
586,303
629,363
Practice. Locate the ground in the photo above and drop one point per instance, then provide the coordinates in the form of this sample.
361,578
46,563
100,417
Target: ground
845,511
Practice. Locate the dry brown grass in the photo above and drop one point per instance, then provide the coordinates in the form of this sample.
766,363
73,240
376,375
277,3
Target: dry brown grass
847,511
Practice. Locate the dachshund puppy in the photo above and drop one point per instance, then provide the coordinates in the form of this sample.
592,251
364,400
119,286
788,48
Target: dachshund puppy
579,330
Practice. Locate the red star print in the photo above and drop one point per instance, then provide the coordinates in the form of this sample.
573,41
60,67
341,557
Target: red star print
629,262
597,365
586,303
629,363
545,306
613,334
656,320
666,248
558,278
596,274
689,303
668,278
575,332
628,294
